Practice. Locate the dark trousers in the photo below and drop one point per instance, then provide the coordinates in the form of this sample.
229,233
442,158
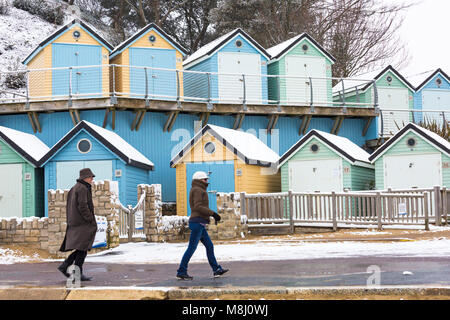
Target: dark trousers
78,257
198,233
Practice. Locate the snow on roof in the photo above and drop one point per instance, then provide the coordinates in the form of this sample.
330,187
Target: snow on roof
417,79
29,143
433,135
360,81
344,146
120,144
276,50
206,48
246,144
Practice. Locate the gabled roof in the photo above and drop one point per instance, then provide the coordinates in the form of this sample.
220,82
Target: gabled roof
278,51
63,29
431,76
362,80
107,138
213,46
246,146
341,145
27,145
143,31
428,135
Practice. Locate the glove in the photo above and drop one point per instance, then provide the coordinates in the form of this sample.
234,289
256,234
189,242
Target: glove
216,217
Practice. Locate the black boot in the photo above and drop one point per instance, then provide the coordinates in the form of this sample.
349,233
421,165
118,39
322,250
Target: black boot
83,277
63,268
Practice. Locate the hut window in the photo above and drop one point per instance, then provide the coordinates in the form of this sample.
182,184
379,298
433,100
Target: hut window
238,43
305,47
411,142
84,146
438,82
210,147
389,79
76,34
152,38
314,148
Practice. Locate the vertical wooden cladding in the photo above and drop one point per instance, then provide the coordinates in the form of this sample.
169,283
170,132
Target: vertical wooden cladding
169,56
42,83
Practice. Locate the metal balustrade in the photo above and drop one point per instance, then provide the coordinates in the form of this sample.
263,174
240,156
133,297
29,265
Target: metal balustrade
140,82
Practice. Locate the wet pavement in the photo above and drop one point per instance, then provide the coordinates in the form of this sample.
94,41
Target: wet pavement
354,271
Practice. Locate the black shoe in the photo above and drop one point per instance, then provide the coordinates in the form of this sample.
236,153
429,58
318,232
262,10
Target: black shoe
85,278
63,268
220,272
184,277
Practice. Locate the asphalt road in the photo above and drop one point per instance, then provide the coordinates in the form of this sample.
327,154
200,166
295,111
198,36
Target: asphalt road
355,271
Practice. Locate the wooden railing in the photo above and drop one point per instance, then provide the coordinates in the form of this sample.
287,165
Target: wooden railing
131,221
349,208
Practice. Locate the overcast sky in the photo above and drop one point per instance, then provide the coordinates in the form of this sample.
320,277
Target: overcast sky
425,32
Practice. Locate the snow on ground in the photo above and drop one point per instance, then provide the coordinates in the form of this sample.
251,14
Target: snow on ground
275,250
8,256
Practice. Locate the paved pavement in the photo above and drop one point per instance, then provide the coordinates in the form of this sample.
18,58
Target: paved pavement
354,271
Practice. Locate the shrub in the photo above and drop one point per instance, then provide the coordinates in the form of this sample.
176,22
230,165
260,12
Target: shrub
42,9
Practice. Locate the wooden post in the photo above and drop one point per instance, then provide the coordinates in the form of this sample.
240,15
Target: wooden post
437,205
425,205
378,210
130,223
334,208
291,211
444,204
243,204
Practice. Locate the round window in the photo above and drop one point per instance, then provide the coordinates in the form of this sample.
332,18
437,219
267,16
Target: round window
314,148
305,47
210,147
238,43
84,146
76,34
438,81
152,38
411,142
389,79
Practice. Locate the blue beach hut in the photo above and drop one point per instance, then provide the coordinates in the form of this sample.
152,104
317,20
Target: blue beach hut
108,155
232,60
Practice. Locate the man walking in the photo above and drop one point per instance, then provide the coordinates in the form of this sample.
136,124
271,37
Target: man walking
81,224
200,214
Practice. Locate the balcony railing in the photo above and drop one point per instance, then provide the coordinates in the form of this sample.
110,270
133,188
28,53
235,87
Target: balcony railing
139,82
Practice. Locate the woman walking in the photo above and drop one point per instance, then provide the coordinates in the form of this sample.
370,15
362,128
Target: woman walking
200,216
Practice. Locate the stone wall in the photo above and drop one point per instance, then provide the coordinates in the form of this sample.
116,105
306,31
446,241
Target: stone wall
48,233
160,228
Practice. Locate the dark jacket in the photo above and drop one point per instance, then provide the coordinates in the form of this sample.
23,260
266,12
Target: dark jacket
198,200
81,224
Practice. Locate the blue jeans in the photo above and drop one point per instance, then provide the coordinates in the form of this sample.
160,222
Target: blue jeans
198,233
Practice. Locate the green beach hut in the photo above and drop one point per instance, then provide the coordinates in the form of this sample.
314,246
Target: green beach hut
22,181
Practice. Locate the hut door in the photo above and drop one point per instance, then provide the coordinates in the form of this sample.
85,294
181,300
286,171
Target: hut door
161,84
315,175
67,172
11,192
435,100
412,171
221,179
83,80
232,65
393,98
299,89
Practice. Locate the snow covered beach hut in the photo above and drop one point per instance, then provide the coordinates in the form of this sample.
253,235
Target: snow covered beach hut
414,158
395,97
22,181
232,60
108,155
304,58
432,94
74,45
236,161
324,162
150,47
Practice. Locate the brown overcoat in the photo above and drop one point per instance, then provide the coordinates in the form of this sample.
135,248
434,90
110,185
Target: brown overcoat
198,200
81,224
